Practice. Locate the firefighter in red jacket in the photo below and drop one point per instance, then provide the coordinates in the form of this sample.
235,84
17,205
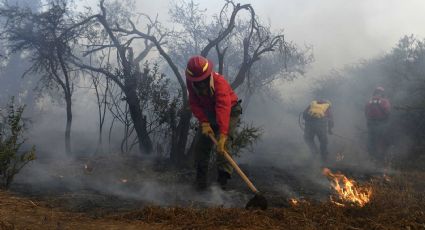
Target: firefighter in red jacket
216,106
377,112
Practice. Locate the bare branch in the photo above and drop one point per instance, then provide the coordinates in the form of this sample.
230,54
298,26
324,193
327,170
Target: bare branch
229,28
162,52
99,70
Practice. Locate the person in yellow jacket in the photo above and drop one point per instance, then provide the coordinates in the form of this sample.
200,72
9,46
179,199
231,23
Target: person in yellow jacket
318,122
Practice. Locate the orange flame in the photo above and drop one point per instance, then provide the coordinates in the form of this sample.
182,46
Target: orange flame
386,177
293,201
347,190
297,201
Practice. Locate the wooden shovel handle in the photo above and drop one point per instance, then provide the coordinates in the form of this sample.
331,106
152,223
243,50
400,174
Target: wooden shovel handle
236,167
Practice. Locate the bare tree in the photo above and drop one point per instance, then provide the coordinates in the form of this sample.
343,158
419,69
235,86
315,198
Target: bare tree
102,104
49,41
125,75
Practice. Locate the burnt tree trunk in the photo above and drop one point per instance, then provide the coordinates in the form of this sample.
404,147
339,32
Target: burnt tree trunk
179,137
128,87
68,123
139,121
66,86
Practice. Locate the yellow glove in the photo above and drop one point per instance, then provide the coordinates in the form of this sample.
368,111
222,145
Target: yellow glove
206,129
221,146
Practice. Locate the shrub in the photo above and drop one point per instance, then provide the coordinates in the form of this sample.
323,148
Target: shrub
245,138
12,158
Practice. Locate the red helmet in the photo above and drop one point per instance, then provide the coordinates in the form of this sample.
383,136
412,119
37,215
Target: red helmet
198,68
379,90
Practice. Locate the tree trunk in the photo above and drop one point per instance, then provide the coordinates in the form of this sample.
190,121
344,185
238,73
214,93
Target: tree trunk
67,88
68,123
139,121
99,148
101,106
179,138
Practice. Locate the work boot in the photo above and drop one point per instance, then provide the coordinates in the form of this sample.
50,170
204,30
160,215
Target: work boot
222,178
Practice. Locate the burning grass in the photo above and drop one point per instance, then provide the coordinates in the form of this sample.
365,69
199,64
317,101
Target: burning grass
348,191
392,207
399,204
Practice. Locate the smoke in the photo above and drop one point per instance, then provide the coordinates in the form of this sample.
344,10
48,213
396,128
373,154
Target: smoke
340,32
126,178
344,32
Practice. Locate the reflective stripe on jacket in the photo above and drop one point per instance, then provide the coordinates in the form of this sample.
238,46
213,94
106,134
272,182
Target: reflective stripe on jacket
377,108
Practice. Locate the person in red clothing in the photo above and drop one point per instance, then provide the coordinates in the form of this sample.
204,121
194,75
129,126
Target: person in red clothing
216,106
377,112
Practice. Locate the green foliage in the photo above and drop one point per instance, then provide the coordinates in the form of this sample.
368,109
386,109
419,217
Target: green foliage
245,138
160,104
12,159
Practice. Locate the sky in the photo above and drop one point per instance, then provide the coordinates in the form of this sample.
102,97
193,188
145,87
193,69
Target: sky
341,31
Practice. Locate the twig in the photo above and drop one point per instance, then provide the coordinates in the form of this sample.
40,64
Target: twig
34,204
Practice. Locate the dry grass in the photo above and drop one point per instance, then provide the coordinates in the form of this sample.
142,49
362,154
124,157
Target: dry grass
396,204
22,213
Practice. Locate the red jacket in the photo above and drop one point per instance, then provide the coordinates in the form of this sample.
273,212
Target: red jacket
219,102
377,108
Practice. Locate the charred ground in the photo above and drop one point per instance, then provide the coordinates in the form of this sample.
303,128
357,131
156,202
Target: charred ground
74,197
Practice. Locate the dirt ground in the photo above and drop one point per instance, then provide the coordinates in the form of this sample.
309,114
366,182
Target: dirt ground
67,197
23,213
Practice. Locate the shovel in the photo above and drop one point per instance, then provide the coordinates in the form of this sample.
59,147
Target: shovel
258,201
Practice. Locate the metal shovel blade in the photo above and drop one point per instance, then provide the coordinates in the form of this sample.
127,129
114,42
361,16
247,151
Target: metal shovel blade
257,202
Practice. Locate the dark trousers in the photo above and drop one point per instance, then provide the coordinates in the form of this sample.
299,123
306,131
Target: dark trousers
319,129
204,147
377,143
